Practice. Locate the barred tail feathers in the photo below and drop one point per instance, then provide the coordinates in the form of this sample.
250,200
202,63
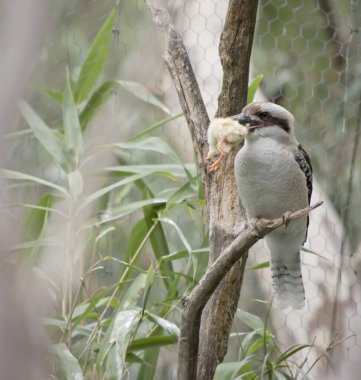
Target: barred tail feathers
287,285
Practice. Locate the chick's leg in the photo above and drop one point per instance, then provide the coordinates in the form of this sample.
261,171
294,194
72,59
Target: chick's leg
222,151
221,147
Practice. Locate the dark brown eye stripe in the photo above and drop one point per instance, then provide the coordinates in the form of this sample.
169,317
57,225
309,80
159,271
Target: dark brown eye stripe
275,121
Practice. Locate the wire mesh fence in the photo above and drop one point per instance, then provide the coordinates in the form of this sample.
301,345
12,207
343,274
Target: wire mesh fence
309,53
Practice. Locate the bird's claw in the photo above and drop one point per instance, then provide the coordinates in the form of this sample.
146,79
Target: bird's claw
213,167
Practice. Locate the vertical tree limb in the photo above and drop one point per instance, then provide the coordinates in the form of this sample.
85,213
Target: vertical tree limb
225,210
185,82
220,190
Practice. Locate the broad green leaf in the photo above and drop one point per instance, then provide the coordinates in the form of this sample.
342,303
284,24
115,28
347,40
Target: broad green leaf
260,342
10,174
152,341
183,193
37,207
46,242
71,124
94,63
148,285
54,94
155,126
98,98
141,92
252,88
229,371
104,232
96,195
110,215
179,232
136,236
75,180
291,351
169,327
150,359
171,171
125,326
154,144
251,320
157,239
43,133
35,225
69,367
37,218
131,296
175,256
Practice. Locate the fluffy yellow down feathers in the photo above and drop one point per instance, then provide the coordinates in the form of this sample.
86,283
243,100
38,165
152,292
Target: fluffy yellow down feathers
223,135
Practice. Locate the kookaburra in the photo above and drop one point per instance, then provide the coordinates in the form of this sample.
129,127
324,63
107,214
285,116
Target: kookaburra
274,175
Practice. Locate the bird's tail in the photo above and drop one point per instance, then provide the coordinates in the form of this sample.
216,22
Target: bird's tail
287,285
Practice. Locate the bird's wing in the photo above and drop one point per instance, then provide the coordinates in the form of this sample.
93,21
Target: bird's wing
304,163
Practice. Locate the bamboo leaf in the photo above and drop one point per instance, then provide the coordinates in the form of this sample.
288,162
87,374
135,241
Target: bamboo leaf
152,341
179,231
11,174
251,320
43,133
169,327
94,63
71,124
154,144
229,371
54,94
35,225
252,88
291,351
75,180
69,366
264,264
125,325
96,195
98,98
142,93
155,126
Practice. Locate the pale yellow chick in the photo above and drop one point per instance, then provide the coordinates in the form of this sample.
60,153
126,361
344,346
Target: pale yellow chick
223,135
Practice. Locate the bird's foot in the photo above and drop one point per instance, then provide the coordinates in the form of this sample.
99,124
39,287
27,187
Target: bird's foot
213,167
286,218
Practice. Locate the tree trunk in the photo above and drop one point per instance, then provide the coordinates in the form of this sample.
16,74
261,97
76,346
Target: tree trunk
225,211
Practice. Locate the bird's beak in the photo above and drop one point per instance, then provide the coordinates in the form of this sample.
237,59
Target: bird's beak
247,121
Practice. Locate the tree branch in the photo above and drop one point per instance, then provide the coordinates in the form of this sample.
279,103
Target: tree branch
185,82
195,302
224,207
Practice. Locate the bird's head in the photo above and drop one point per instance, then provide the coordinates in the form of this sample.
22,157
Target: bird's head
267,119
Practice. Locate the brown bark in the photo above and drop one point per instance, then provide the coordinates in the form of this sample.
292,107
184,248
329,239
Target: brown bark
225,211
220,190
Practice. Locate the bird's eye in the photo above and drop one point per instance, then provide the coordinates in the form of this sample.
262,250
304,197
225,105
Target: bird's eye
264,114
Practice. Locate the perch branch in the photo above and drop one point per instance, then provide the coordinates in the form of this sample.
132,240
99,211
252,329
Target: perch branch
195,302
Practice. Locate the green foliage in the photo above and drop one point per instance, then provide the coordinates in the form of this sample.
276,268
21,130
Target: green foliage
149,213
260,356
109,324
